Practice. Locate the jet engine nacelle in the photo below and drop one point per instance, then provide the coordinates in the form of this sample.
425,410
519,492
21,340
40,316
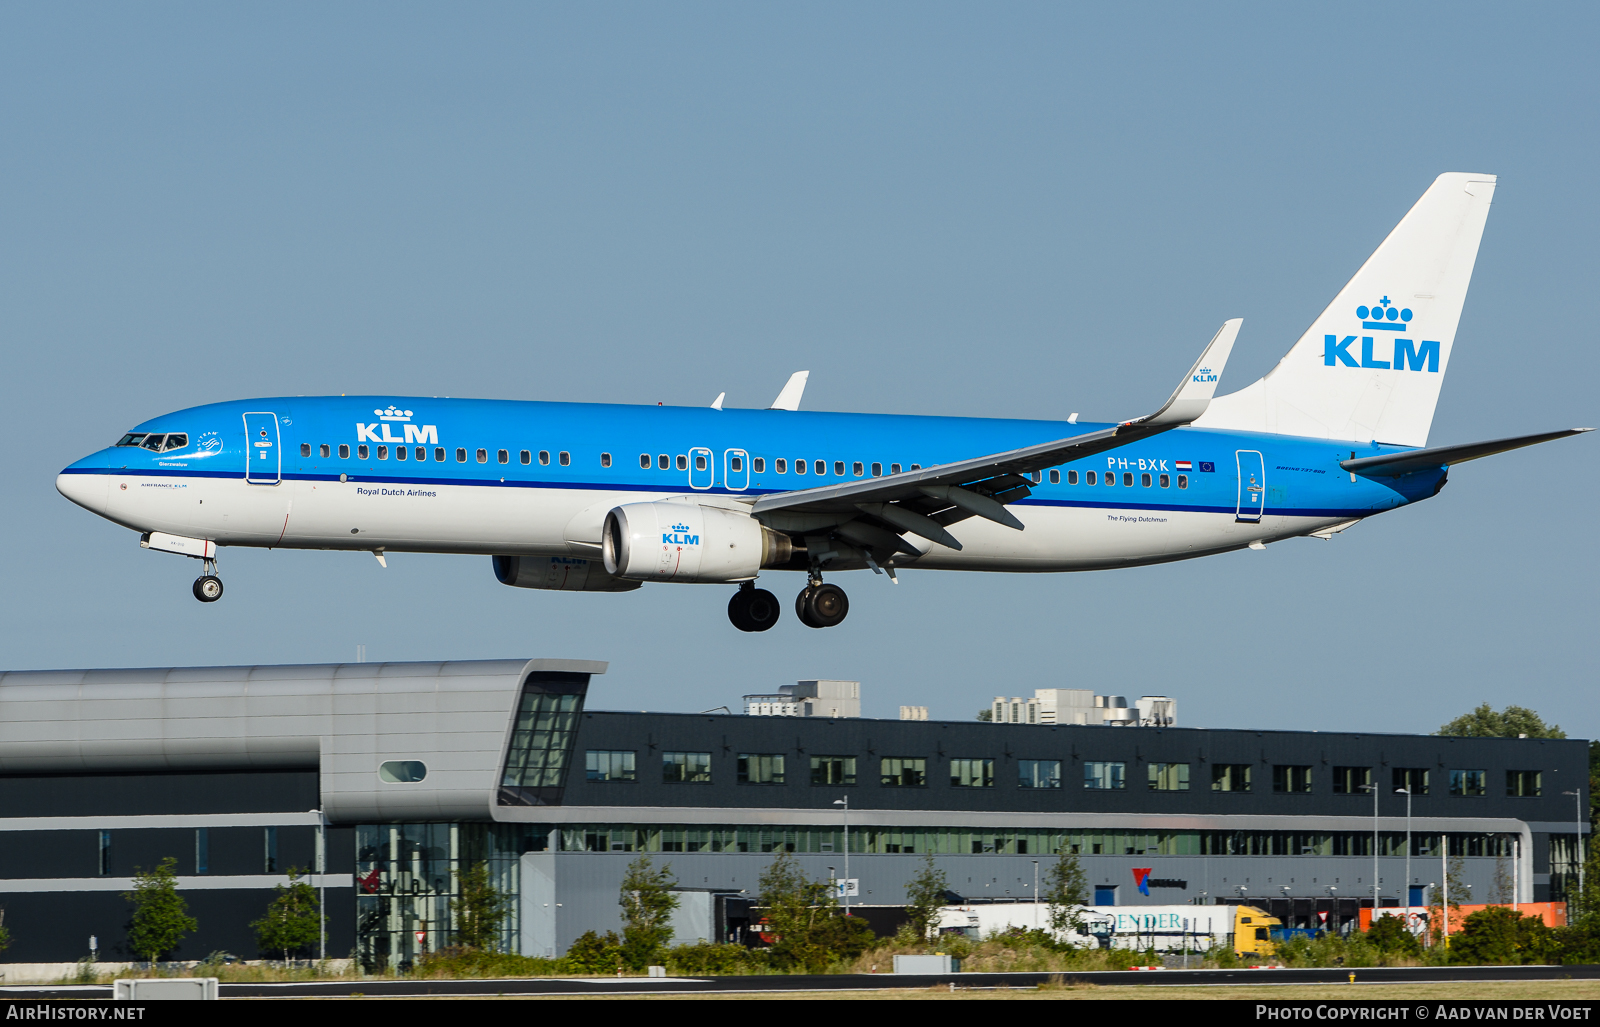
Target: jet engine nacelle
688,542
563,574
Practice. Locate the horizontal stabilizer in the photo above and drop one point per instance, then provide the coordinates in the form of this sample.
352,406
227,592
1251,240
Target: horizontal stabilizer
1396,464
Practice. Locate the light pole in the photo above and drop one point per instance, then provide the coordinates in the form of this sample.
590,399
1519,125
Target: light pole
1036,895
1407,792
1373,788
845,802
1577,844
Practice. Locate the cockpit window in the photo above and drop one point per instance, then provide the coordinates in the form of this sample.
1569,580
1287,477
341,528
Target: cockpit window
176,440
133,438
152,443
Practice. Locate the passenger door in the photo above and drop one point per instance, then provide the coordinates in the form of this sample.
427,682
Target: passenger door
702,468
263,455
1252,486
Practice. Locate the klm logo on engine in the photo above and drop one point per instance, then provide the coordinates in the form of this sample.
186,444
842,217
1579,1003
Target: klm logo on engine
679,536
1405,355
425,434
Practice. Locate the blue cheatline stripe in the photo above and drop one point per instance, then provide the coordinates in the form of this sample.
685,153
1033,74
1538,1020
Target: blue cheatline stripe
679,489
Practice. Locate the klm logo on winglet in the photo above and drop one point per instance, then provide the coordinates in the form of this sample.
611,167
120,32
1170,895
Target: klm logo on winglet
679,536
426,434
1404,356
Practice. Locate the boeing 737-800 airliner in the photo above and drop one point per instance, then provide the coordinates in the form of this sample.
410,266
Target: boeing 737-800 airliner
591,497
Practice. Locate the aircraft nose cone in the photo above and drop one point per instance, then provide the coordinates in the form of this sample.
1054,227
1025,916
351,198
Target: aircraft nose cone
87,490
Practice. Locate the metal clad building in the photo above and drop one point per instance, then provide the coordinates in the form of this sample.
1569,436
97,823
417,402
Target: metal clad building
391,777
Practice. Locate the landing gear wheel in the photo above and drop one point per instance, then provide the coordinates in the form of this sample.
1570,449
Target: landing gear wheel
208,588
753,609
821,606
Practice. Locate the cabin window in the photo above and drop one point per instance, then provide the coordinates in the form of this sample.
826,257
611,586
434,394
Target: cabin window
1166,481
544,458
422,454
400,453
644,461
1092,478
305,449
1127,479
821,467
483,456
838,468
1072,478
1183,481
1144,480
1055,477
855,468
800,466
699,461
663,461
894,468
683,462
525,456
361,452
461,456
438,454
566,458
344,451
877,470
1035,477
324,450
503,456
383,452
736,463
916,467
758,464
780,465
605,460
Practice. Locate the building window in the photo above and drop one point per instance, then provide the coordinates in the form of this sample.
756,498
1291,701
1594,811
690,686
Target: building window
1038,773
689,768
1169,777
972,773
1105,776
1469,782
402,772
1291,778
105,853
541,739
760,768
269,850
1230,777
833,770
202,851
903,771
1351,780
1524,784
609,765
1412,779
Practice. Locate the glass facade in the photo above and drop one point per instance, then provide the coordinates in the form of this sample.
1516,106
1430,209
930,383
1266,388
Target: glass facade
1104,775
833,770
1169,777
541,739
1038,773
692,768
971,773
1230,777
609,765
760,768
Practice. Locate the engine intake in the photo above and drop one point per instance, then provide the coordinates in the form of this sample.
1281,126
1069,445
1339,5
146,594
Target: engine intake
688,542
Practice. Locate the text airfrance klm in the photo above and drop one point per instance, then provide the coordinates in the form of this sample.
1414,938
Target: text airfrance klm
1406,355
428,434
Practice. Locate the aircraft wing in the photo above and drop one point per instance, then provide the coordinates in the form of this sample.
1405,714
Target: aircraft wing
1396,464
875,511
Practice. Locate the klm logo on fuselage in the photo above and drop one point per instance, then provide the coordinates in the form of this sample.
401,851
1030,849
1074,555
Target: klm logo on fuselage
679,536
1406,355
426,434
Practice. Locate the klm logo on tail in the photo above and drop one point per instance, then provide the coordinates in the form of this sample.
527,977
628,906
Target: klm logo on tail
1384,317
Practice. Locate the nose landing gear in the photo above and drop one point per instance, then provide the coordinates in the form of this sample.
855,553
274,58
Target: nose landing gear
208,587
753,609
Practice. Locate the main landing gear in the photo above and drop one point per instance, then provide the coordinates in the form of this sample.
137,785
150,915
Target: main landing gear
756,609
208,587
821,606
753,609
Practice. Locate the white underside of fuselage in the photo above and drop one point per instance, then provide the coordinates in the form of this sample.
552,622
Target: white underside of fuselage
490,520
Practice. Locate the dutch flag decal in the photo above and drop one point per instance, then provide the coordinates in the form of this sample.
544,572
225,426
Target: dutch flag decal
1183,465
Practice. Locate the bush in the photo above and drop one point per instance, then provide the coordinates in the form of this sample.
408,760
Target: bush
1388,934
594,954
460,961
708,959
1501,936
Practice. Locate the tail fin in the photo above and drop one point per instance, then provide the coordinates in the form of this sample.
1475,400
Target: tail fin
1370,368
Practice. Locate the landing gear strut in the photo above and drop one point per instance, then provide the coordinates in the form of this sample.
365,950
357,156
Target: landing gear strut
821,606
208,587
753,609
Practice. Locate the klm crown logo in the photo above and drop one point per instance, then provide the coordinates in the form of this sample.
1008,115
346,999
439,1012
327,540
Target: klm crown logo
1384,317
391,414
680,527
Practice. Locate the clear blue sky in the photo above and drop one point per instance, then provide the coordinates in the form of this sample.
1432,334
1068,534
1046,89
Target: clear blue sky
964,209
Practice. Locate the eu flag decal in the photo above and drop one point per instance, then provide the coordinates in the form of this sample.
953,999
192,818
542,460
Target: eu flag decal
1207,467
1141,877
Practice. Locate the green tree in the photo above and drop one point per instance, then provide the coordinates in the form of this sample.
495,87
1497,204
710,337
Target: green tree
804,915
480,910
593,953
5,932
986,713
293,918
1066,889
647,904
1512,722
925,895
160,916
1497,935
1388,934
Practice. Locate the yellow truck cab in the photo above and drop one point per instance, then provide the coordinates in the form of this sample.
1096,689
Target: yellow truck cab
1252,933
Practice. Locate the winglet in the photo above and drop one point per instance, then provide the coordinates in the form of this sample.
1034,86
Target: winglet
1194,393
789,398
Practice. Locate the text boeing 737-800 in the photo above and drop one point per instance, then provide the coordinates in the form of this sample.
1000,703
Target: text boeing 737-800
591,497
